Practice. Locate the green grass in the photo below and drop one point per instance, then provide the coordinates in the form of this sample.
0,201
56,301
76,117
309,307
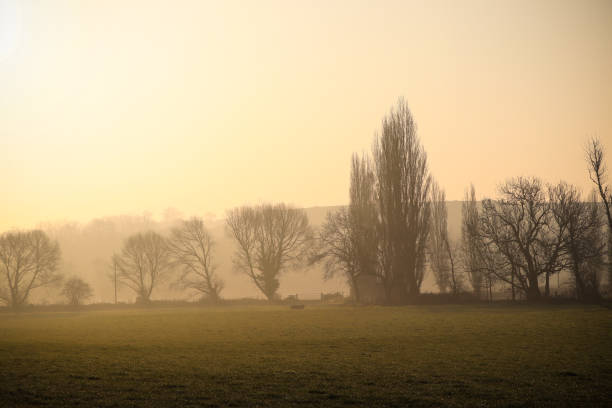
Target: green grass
320,356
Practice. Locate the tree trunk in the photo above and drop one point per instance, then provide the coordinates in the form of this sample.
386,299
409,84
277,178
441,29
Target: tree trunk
477,288
398,294
579,285
533,292
355,289
610,257
213,296
412,292
452,264
410,288
269,294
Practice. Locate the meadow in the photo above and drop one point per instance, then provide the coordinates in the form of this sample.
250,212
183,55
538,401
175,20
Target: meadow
500,355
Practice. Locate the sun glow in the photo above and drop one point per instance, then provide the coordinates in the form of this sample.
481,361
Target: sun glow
129,106
10,28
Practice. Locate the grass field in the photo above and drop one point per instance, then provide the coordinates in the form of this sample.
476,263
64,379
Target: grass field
319,356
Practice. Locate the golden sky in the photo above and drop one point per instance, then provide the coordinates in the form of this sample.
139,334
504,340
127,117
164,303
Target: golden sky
110,107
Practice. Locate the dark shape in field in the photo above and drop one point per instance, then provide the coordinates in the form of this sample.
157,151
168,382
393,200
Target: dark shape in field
76,291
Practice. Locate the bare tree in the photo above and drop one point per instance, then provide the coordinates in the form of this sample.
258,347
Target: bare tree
191,247
270,239
471,244
442,251
348,239
403,184
76,291
599,176
28,260
482,259
438,239
363,220
581,234
456,277
338,249
509,227
554,237
519,227
144,262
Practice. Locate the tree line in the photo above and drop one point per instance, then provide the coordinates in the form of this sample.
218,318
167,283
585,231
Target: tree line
269,240
392,232
396,225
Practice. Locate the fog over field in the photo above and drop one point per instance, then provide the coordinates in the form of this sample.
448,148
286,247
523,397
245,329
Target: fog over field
87,249
313,203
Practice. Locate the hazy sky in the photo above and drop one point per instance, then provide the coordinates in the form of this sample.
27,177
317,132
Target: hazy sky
111,107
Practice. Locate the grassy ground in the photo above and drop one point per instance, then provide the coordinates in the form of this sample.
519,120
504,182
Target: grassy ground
319,356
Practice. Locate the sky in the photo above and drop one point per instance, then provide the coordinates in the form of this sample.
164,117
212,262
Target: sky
115,107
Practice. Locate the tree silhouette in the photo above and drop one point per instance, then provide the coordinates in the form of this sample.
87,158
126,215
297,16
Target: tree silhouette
598,173
76,291
28,260
144,262
270,238
403,184
191,247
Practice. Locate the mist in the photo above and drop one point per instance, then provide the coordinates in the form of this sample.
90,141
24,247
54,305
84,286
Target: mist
87,251
278,203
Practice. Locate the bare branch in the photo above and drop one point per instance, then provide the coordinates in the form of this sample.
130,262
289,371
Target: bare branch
144,262
270,239
28,260
191,247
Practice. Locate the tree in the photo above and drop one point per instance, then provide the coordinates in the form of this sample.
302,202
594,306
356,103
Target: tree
482,259
599,176
338,249
440,253
363,215
76,291
471,244
583,243
519,227
403,184
438,259
28,260
348,238
144,262
511,226
191,247
270,239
